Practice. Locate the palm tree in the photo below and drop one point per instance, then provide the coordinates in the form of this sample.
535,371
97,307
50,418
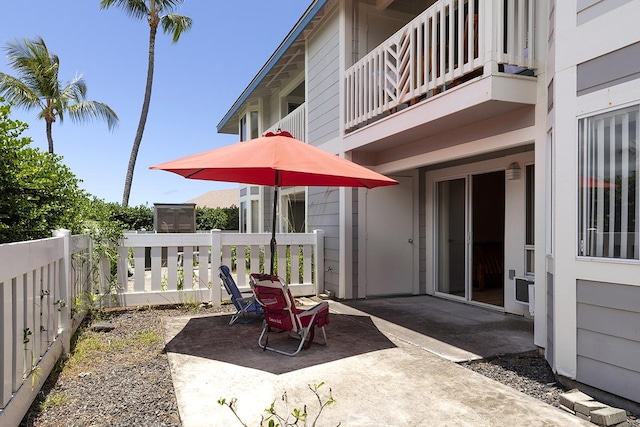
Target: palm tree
37,87
155,12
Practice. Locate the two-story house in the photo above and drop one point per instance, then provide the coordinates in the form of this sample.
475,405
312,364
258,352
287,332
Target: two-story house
512,127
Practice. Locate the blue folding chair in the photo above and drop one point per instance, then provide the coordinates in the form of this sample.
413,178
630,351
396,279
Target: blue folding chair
246,306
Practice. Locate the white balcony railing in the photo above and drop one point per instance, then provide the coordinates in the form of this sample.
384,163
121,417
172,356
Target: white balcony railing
294,123
449,41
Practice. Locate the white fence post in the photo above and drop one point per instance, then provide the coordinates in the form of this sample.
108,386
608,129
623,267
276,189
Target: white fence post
216,253
319,261
6,344
64,320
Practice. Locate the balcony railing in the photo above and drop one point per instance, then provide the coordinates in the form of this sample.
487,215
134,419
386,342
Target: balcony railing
294,123
447,44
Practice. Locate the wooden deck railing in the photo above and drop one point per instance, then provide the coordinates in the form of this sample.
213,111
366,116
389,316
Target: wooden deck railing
449,41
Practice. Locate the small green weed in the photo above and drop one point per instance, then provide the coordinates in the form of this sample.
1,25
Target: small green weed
293,417
53,400
148,338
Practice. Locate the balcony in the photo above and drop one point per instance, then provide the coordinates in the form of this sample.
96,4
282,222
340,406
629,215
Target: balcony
452,43
294,123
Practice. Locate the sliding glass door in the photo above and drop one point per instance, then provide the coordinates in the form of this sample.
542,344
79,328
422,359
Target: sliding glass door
470,223
451,231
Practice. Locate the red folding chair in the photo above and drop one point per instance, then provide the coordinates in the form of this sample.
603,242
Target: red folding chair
281,314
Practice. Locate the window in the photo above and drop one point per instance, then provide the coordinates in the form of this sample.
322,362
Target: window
243,217
253,116
609,199
529,244
255,216
243,128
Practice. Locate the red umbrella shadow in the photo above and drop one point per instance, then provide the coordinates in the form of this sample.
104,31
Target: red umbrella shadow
213,338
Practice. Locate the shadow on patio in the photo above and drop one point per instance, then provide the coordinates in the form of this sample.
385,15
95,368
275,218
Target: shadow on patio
213,338
380,362
450,329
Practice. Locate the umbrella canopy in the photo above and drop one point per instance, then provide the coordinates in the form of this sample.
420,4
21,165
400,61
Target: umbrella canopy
590,182
275,159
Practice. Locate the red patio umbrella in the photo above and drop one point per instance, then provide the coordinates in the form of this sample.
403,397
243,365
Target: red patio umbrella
275,159
591,182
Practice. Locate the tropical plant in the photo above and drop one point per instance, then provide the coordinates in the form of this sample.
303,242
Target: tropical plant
37,87
155,12
37,192
220,218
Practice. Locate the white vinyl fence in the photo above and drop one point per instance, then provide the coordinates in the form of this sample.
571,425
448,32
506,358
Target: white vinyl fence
43,284
176,268
46,287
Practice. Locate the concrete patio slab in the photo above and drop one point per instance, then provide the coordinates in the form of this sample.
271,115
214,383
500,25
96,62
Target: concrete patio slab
383,370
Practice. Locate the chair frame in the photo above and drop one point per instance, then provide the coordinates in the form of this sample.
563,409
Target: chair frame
244,304
302,321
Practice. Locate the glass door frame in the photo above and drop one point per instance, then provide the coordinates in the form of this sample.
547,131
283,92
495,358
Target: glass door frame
467,237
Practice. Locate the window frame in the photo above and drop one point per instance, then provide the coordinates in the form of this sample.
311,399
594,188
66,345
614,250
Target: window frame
597,156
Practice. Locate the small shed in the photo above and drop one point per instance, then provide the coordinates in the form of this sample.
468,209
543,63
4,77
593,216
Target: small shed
174,217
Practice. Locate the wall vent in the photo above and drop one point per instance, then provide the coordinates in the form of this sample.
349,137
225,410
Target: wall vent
522,288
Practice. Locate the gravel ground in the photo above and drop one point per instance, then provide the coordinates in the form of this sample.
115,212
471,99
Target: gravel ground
121,377
529,373
116,378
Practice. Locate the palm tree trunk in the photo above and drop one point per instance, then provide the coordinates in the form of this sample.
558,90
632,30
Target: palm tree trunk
49,136
143,118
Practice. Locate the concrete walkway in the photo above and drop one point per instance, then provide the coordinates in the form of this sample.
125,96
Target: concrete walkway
389,362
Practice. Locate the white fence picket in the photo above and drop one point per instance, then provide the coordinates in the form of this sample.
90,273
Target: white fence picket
36,325
175,278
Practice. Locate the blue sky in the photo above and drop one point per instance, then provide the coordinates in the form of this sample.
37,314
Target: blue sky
195,83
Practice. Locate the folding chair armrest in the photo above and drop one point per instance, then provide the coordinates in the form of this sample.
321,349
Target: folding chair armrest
315,309
247,299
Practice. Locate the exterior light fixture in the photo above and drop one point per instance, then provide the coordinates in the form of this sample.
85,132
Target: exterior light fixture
513,171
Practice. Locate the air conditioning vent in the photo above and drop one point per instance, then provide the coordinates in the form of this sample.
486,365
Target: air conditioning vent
522,288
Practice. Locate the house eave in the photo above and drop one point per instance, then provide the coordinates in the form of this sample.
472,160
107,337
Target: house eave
225,125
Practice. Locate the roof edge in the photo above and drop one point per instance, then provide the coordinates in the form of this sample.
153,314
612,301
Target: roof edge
297,29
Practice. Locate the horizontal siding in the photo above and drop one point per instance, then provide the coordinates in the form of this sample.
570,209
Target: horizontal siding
622,297
614,68
323,102
598,347
608,337
591,9
323,213
612,379
609,321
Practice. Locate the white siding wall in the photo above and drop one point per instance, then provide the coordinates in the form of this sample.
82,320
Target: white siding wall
608,337
323,213
323,124
323,87
580,42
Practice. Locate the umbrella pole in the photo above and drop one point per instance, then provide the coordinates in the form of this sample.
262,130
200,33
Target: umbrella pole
273,223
